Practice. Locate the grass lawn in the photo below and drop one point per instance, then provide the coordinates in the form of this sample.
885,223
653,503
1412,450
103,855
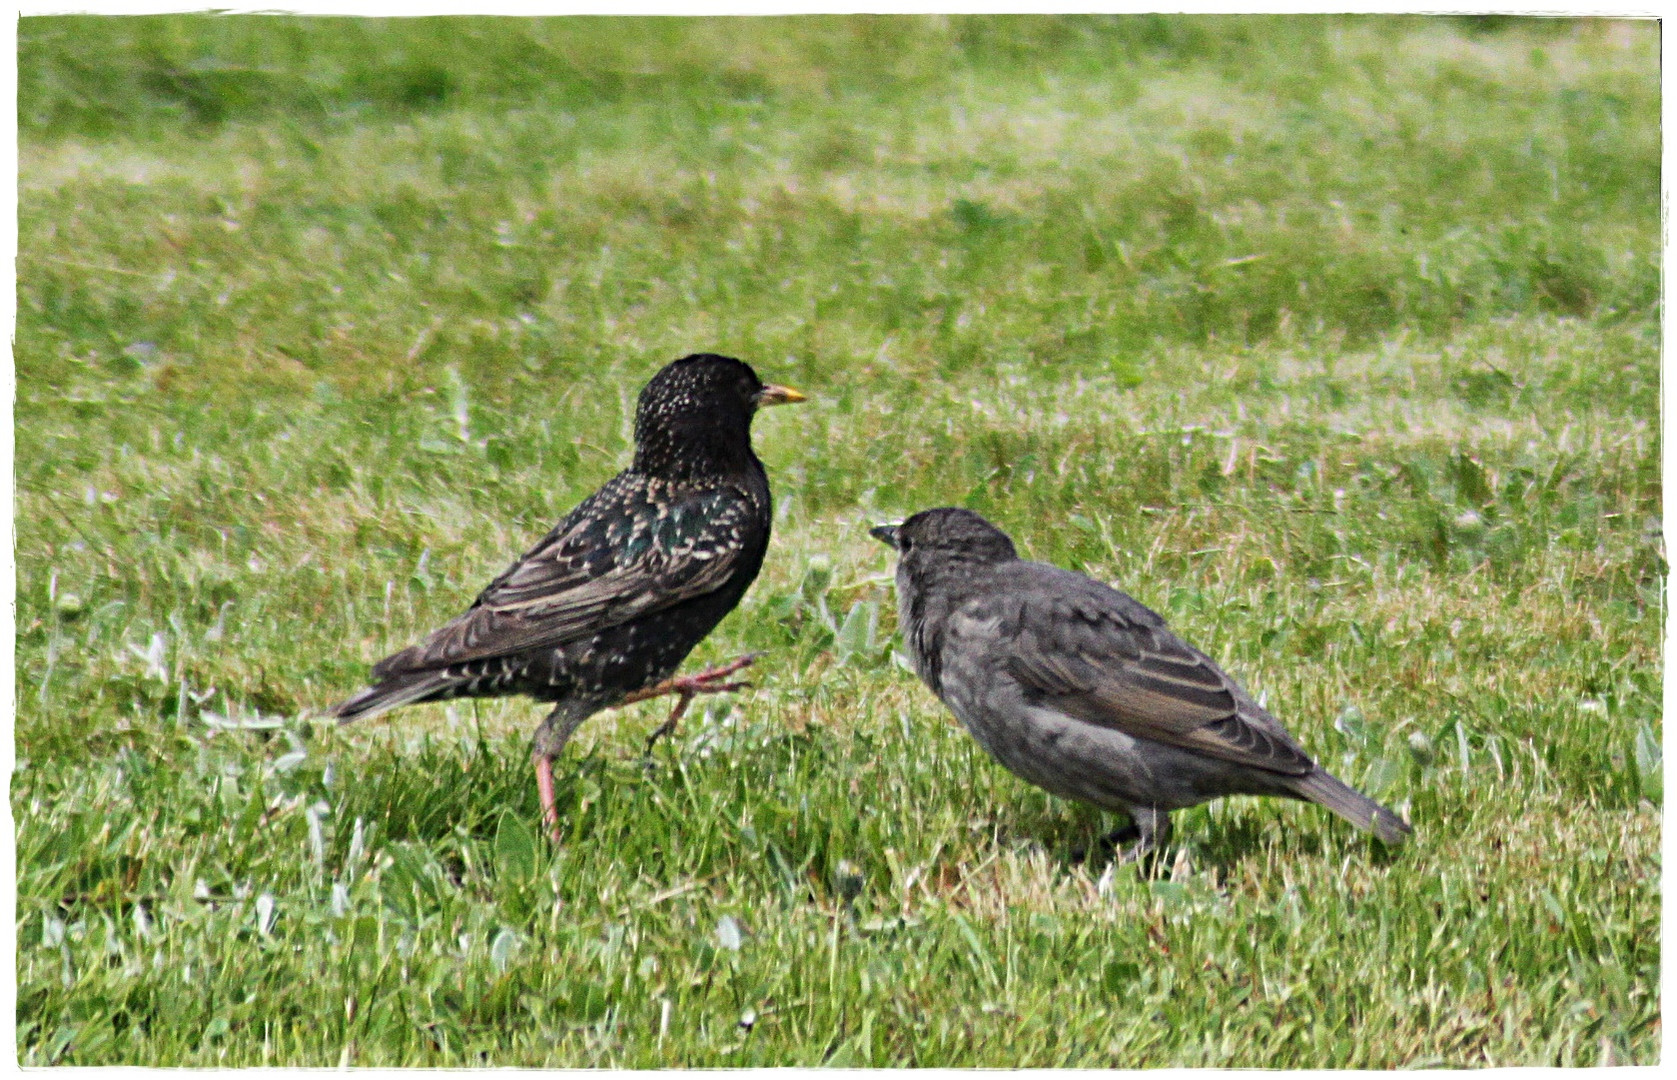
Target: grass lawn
1334,340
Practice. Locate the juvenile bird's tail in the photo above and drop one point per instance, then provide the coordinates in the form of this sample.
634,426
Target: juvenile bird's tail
1324,788
393,693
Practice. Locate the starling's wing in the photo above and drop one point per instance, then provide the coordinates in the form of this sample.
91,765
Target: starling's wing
1101,657
626,551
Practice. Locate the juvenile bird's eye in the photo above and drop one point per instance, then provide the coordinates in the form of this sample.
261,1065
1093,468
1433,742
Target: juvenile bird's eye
904,543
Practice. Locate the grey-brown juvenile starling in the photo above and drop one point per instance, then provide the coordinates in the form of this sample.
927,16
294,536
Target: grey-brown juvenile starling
1081,690
603,610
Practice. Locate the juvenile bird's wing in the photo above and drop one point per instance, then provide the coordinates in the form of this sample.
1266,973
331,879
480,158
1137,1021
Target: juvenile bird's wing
1097,655
624,552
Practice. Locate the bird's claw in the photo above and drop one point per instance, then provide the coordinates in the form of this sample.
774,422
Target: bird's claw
1121,835
1140,852
687,687
701,683
724,688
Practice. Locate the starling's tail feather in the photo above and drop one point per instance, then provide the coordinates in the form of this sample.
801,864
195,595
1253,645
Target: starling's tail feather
1324,788
393,693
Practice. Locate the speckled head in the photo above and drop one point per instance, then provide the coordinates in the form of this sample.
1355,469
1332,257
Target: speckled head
945,533
694,417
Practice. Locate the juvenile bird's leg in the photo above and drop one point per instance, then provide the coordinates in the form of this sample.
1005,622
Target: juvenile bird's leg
1149,827
1123,834
686,687
551,737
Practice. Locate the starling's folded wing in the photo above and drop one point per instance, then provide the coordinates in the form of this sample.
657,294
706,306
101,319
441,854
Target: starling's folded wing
1106,660
625,552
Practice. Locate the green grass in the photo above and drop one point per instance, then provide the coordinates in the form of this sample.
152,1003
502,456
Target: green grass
1335,340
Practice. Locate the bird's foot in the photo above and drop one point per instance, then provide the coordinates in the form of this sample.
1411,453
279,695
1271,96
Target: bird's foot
1105,847
1142,851
704,682
687,687
1149,828
1121,835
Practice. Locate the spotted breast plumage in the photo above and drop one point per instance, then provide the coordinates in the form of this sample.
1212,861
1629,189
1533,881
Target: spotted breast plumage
603,610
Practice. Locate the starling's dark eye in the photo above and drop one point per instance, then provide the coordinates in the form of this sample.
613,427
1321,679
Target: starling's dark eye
904,543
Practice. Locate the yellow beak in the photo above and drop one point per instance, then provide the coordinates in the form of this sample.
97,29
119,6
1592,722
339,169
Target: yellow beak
778,395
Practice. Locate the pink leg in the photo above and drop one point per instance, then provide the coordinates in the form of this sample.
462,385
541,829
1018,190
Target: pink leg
544,789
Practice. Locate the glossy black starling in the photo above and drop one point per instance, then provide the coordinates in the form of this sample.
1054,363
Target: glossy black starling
1081,690
604,609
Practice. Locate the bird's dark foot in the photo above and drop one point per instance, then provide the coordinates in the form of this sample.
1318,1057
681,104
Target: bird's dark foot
1142,851
1110,845
1113,840
687,687
1148,828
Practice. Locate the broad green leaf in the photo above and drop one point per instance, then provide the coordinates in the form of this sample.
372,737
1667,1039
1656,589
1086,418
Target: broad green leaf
515,847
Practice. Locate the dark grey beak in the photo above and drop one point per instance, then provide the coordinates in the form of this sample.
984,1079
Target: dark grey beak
884,533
